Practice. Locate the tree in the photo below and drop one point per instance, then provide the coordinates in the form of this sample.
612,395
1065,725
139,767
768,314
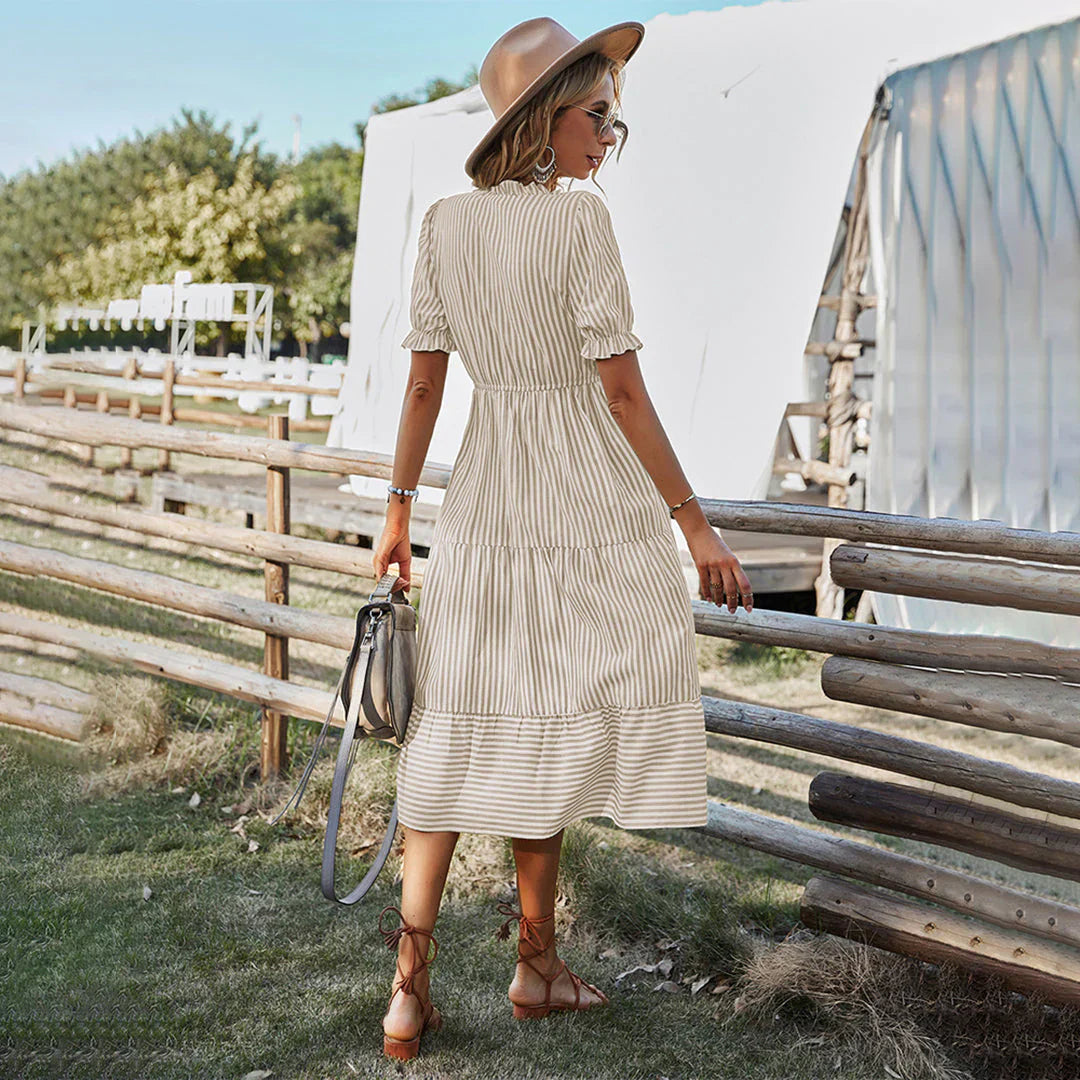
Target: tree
178,223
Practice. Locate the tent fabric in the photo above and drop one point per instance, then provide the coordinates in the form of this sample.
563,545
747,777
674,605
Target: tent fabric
744,126
975,228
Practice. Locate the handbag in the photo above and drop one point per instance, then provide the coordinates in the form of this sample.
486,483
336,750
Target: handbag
376,689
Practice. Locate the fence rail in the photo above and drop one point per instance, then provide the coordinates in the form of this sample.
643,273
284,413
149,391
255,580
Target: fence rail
994,682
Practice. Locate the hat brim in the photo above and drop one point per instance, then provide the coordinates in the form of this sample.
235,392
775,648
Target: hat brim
619,41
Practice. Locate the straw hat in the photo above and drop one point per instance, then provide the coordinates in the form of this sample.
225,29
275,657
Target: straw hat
529,55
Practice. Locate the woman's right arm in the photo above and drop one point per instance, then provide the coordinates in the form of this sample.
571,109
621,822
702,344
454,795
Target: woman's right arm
720,574
419,411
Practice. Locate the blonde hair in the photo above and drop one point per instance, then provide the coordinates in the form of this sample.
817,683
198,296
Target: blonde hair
522,144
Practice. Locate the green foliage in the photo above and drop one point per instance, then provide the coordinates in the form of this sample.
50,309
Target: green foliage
773,661
106,222
180,222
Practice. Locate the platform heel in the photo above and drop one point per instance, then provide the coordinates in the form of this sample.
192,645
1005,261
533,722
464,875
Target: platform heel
526,937
405,1049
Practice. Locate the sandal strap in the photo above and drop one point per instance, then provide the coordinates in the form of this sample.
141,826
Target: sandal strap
526,925
392,939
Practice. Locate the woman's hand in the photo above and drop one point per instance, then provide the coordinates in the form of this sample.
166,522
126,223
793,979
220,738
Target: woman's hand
393,547
719,571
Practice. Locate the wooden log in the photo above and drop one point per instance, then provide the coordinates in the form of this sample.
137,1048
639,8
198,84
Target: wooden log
40,716
965,579
166,414
83,453
203,379
1022,704
999,904
835,350
102,406
24,488
116,402
215,383
923,648
178,595
47,691
241,420
117,431
80,367
913,929
817,472
982,537
303,702
275,728
898,810
833,302
135,409
994,779
20,378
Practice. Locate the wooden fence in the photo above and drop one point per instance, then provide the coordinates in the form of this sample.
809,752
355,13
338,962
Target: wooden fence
78,380
1030,941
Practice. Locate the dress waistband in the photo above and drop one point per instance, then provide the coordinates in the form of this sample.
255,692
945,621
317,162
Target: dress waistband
531,387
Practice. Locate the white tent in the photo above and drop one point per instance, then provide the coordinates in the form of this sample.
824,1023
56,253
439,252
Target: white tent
744,125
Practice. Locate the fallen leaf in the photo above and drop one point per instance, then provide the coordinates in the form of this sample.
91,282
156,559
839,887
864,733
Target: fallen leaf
195,799
146,892
253,845
645,969
669,986
697,984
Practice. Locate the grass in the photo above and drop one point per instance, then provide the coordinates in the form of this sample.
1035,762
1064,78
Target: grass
144,938
234,964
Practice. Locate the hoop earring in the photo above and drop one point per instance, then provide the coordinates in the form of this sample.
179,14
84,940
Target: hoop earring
543,173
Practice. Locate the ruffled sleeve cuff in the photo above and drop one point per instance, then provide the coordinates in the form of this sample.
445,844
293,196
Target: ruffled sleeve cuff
599,348
429,340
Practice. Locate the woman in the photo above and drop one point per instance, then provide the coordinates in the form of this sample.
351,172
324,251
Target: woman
556,671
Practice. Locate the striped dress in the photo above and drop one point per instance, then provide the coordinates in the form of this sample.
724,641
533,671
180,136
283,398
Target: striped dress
556,665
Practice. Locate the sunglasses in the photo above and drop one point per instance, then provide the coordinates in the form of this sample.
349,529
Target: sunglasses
601,120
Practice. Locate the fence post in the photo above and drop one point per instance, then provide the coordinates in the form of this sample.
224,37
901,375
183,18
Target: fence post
20,378
131,373
102,406
275,727
71,401
168,377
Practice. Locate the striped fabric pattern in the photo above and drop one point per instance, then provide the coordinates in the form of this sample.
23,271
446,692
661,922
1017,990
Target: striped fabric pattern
557,673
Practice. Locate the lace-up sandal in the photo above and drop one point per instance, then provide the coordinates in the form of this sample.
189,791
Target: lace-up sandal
430,1017
527,937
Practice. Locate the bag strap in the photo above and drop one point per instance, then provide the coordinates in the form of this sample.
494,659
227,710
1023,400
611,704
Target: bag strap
346,754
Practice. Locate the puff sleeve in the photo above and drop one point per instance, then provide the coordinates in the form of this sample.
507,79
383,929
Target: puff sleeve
430,331
599,294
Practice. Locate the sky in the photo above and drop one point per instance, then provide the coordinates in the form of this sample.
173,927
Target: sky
77,73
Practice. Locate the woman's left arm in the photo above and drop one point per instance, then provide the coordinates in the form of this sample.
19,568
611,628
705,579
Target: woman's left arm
419,411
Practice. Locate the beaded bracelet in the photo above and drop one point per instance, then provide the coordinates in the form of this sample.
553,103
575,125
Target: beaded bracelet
683,503
400,491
